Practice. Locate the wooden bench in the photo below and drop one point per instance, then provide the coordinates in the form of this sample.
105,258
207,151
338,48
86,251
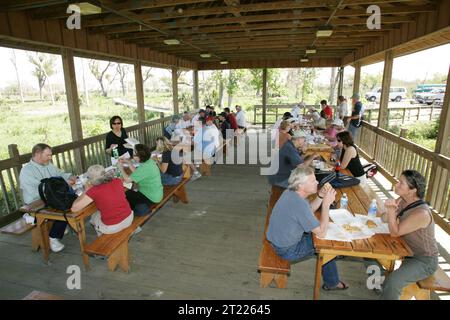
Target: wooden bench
115,246
421,290
271,266
39,295
205,166
20,227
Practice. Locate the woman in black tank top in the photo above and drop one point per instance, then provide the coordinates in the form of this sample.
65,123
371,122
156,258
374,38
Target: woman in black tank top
345,141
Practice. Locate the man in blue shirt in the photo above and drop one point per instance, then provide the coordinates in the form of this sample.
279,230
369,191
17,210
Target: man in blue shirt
356,117
292,223
288,159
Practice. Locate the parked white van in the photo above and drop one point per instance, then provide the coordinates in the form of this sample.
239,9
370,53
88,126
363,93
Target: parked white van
395,94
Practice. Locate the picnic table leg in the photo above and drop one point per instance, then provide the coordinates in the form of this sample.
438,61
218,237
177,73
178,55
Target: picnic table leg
43,231
318,276
78,226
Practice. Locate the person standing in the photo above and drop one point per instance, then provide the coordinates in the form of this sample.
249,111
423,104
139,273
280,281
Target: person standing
357,115
327,112
342,108
240,118
40,167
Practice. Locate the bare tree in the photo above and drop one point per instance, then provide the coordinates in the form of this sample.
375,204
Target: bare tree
122,71
101,75
147,75
43,68
19,85
333,82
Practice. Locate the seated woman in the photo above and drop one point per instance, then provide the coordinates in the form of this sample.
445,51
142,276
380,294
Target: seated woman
146,176
410,217
171,172
116,137
283,133
349,156
114,213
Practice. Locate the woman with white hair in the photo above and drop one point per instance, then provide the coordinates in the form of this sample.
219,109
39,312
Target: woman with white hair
114,213
292,223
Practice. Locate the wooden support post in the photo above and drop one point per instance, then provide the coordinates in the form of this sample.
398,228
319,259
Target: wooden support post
175,90
341,81
73,106
140,100
15,156
264,98
443,138
195,79
385,87
357,77
398,159
254,114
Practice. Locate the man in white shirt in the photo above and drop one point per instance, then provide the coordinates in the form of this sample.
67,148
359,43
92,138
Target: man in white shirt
297,110
185,121
201,114
240,118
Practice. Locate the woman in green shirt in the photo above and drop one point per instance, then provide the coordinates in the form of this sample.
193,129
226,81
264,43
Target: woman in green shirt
146,177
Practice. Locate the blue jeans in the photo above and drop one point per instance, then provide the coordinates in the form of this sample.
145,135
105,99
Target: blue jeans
169,180
353,130
304,250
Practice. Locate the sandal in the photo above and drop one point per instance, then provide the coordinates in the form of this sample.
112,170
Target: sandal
344,287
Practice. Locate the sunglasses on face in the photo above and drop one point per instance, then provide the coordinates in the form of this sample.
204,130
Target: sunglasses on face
117,122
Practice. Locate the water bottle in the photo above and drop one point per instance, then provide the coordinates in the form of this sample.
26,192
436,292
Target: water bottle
344,202
115,153
372,213
338,166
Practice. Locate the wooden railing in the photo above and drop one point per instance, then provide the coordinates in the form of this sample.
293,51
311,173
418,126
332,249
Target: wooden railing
393,154
74,157
275,111
396,115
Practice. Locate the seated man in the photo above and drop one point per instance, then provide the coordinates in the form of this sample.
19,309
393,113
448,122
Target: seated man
40,167
292,222
288,159
170,129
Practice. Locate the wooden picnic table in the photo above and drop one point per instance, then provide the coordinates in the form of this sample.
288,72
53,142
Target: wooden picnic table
324,150
382,247
75,220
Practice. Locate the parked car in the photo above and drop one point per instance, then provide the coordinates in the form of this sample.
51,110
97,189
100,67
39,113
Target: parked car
434,96
395,94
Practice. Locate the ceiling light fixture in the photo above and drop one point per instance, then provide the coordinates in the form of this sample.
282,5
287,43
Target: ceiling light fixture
205,55
304,60
224,62
324,31
171,42
87,8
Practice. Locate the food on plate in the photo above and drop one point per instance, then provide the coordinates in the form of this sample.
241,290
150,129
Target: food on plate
348,227
371,224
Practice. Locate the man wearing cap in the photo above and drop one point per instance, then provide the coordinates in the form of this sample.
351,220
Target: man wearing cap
356,117
288,159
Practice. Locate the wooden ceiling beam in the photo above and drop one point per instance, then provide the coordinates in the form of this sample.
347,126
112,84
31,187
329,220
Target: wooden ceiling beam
15,5
262,26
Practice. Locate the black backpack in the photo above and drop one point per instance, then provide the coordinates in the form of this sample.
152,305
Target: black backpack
56,193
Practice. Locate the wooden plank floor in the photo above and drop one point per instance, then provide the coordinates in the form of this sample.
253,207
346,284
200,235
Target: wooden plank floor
207,249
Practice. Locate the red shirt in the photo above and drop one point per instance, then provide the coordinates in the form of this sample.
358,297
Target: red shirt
328,111
232,120
110,201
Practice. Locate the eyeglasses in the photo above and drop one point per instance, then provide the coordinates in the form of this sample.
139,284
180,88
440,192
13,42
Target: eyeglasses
117,122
